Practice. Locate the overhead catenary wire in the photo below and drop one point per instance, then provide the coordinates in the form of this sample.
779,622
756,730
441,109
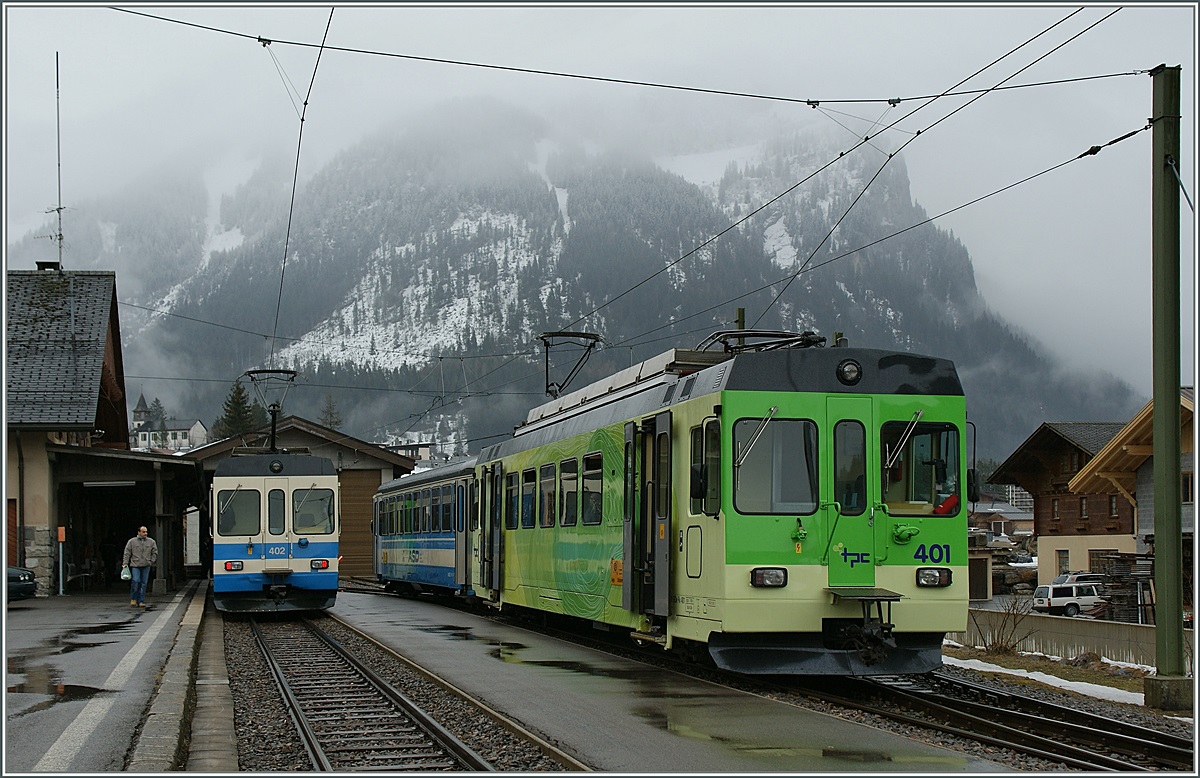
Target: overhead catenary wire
962,107
630,342
1174,166
606,79
1090,152
892,103
295,182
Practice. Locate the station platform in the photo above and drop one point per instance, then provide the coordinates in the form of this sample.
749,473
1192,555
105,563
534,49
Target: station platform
96,685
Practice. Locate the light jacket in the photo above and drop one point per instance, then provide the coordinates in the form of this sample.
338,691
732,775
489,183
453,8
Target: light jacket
140,552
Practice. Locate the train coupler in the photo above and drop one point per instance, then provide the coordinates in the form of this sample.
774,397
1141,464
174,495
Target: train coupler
872,638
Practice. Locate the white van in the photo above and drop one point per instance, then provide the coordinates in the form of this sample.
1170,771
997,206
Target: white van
1066,599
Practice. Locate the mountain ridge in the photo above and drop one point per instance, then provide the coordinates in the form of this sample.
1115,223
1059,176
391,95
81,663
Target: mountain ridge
469,232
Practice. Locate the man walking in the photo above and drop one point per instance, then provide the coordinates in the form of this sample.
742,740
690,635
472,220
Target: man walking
140,553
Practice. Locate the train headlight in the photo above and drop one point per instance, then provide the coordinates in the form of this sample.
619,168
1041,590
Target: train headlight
231,566
319,564
849,372
933,576
768,577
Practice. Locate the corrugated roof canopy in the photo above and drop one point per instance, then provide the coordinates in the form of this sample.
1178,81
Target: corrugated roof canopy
1116,464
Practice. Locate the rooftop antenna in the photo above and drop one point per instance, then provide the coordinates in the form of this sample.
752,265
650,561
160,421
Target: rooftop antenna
58,149
57,236
272,387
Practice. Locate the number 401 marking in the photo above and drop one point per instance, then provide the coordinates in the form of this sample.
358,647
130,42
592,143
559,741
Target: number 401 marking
937,553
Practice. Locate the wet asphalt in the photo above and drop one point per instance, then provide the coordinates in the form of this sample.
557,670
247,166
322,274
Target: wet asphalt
93,685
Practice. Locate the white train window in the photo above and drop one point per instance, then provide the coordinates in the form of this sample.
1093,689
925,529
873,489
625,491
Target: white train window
313,511
778,466
920,468
239,512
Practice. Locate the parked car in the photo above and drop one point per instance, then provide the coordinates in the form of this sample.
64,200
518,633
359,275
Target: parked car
1067,599
21,583
1082,576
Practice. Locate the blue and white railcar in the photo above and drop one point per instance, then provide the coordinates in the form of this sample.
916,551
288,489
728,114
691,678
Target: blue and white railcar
276,522
422,530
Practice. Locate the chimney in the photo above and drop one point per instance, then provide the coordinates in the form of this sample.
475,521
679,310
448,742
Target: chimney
49,264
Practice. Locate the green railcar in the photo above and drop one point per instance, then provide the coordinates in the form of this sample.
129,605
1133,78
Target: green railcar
784,506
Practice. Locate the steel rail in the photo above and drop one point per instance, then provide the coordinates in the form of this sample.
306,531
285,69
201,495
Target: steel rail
548,749
1081,726
977,722
308,736
325,687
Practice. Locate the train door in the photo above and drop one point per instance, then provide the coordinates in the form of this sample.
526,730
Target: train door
275,549
632,539
462,536
660,512
482,564
647,519
491,559
848,509
378,527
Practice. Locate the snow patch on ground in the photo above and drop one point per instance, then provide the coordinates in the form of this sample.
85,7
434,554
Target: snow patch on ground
1096,690
1099,691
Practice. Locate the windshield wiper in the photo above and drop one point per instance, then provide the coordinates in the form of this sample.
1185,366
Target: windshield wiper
908,431
224,507
762,425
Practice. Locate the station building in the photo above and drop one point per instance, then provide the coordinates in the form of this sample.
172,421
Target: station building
75,488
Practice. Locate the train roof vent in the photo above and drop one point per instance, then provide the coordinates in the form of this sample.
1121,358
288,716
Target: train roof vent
636,378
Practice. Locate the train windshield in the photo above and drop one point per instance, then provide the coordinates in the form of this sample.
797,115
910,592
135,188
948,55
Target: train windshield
778,466
313,511
238,512
920,467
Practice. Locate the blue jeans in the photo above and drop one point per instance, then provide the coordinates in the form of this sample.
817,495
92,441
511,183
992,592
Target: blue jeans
137,584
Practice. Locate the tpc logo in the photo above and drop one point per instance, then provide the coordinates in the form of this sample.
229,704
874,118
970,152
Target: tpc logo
855,557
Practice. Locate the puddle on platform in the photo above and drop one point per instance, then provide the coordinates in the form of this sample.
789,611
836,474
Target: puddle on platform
855,756
64,643
458,633
41,678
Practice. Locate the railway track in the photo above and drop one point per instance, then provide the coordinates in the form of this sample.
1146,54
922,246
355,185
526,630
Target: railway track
1074,738
348,717
1142,745
974,712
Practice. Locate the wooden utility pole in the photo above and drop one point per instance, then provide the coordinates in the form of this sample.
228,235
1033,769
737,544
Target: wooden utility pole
1170,689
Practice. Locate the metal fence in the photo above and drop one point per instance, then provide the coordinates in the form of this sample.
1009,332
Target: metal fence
1061,636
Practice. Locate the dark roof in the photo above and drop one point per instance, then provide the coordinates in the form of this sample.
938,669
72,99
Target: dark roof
223,446
57,326
1088,436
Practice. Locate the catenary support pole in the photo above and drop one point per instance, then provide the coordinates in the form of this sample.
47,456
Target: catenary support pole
1170,689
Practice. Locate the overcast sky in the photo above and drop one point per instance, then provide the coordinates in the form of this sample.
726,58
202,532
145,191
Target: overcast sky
1065,257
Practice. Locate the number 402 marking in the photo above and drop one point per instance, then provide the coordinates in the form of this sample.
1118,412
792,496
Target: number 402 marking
936,553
